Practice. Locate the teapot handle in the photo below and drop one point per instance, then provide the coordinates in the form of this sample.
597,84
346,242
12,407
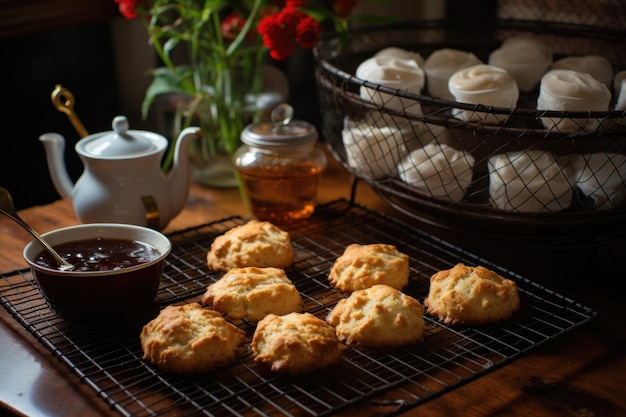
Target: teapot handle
152,212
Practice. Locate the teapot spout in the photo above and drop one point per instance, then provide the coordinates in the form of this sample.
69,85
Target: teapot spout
179,176
54,145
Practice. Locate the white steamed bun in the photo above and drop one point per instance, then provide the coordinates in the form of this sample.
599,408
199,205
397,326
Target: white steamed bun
528,181
438,170
487,85
597,66
441,64
400,74
399,53
601,177
570,90
374,148
525,58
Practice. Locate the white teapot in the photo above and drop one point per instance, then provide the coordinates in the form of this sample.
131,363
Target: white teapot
122,181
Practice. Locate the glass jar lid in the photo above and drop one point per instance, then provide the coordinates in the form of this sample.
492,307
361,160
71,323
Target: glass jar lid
282,130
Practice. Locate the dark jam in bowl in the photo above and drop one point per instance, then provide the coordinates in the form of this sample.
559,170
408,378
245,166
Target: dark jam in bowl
100,254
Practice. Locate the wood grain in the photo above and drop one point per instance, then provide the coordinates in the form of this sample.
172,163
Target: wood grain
580,374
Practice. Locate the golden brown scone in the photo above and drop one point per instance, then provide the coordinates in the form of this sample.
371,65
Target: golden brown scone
471,295
188,339
362,266
295,343
254,243
253,293
379,316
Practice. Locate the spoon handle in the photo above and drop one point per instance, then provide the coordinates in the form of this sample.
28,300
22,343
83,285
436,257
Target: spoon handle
63,100
63,264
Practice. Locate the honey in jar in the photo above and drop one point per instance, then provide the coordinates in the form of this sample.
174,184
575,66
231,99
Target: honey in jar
280,167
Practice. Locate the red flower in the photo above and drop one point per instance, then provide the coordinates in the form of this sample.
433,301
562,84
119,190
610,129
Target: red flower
343,8
281,48
274,37
288,19
128,8
232,25
281,30
294,4
283,24
269,27
308,32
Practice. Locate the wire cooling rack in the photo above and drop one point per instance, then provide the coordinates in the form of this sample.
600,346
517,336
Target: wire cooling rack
108,359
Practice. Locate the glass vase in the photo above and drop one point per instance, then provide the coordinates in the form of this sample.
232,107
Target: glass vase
222,115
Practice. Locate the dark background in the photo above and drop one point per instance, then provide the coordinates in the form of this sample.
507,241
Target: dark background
80,58
45,43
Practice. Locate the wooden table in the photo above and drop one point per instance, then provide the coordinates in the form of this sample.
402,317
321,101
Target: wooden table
580,374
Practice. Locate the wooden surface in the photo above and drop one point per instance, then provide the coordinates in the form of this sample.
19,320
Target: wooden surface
582,374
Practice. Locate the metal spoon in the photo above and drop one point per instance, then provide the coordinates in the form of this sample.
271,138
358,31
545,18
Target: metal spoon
8,209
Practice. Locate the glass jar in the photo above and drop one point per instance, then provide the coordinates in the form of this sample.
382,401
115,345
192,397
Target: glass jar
280,167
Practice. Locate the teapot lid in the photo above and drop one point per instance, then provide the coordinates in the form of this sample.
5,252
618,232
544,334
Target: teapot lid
121,142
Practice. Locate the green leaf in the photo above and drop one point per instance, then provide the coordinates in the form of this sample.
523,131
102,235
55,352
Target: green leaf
164,81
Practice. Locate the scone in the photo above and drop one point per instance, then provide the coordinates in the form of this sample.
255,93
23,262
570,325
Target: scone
296,343
380,316
253,293
471,295
188,339
362,266
254,243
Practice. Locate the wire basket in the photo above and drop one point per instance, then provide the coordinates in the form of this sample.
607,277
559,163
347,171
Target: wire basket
371,128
